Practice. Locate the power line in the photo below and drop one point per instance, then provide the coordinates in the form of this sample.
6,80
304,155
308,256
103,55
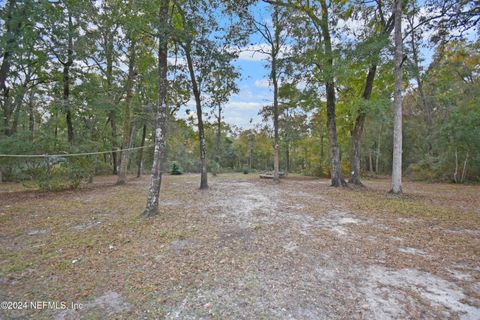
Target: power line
68,154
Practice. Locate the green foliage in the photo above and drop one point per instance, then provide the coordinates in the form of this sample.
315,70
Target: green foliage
65,174
214,167
175,168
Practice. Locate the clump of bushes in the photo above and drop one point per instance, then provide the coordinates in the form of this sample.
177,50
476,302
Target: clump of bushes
62,174
175,169
214,167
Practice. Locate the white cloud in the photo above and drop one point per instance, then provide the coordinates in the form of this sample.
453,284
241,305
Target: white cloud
244,106
262,83
254,52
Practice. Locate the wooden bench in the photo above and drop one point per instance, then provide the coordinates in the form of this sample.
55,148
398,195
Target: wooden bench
269,175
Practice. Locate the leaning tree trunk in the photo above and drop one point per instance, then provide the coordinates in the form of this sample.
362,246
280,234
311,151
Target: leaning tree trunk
128,131
357,132
161,114
201,132
397,102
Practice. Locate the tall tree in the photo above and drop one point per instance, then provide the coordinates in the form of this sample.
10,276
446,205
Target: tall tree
128,129
198,105
108,21
276,41
375,43
205,52
164,34
318,13
397,102
65,25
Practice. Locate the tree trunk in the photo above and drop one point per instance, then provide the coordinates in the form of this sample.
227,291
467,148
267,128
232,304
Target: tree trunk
111,116
275,49
156,180
357,132
122,175
455,173
322,152
128,131
201,133
464,171
336,174
250,151
219,134
140,158
66,82
370,161
397,102
17,106
113,125
377,153
287,158
31,114
218,138
13,28
416,65
335,162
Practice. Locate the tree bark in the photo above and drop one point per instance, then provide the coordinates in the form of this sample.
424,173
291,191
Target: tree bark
335,162
219,134
201,133
287,158
397,102
464,171
31,114
275,46
377,153
250,151
13,27
122,175
112,115
140,158
17,106
357,132
455,173
128,131
156,180
370,161
66,82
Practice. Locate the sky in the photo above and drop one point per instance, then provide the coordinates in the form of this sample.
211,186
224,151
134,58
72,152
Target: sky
254,92
254,88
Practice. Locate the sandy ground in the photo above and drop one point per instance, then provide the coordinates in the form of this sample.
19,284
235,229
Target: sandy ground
244,249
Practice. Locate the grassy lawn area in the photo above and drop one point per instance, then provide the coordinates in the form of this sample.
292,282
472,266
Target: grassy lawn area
243,249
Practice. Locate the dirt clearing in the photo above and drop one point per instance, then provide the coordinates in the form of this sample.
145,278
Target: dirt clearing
244,249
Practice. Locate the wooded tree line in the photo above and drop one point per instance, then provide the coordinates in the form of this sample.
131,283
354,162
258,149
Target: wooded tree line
81,76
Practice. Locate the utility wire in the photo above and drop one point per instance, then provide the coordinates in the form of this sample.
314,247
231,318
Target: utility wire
67,154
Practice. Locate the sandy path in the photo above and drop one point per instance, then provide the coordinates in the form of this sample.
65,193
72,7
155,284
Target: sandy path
303,266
